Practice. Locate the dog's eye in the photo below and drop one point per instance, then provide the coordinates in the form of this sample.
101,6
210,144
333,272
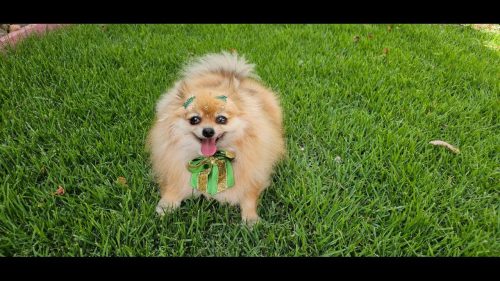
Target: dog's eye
221,120
195,120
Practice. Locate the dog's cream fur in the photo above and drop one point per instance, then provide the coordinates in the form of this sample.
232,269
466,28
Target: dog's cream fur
253,131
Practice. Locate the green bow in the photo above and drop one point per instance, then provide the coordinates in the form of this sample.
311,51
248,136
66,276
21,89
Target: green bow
212,174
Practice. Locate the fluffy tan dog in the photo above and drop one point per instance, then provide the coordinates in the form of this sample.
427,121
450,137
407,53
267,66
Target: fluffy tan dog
217,105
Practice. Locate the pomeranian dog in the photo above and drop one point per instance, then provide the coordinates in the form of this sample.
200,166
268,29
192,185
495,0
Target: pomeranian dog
217,132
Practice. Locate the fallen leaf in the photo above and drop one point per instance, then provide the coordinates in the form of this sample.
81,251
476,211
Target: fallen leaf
122,181
445,144
370,36
386,51
355,39
338,159
59,191
233,50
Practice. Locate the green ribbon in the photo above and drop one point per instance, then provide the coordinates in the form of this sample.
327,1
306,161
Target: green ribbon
212,174
188,102
223,98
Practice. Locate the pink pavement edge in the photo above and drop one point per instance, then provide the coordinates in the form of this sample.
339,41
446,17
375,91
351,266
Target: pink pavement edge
14,37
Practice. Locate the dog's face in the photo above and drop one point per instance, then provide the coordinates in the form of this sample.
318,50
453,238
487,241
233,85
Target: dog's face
211,119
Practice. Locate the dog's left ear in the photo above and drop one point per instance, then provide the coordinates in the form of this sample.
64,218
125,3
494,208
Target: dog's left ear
234,83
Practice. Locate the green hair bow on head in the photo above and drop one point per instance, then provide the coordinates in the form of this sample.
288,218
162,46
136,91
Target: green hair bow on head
191,99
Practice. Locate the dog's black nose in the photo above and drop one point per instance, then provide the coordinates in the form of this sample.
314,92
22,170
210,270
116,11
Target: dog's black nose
208,132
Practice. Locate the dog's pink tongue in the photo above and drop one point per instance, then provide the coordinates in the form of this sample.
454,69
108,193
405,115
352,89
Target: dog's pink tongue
208,147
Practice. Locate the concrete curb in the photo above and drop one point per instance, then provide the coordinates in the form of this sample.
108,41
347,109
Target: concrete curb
15,37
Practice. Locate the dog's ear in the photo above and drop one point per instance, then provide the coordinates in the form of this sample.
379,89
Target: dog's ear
234,83
183,90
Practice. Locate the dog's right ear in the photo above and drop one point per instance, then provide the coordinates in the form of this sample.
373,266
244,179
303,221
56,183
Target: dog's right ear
183,90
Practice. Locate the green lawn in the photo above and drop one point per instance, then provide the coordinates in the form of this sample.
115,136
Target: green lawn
77,104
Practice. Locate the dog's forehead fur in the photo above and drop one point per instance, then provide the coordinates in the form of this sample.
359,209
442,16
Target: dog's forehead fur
208,104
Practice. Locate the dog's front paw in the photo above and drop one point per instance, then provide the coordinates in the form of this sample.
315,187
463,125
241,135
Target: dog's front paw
165,207
250,221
